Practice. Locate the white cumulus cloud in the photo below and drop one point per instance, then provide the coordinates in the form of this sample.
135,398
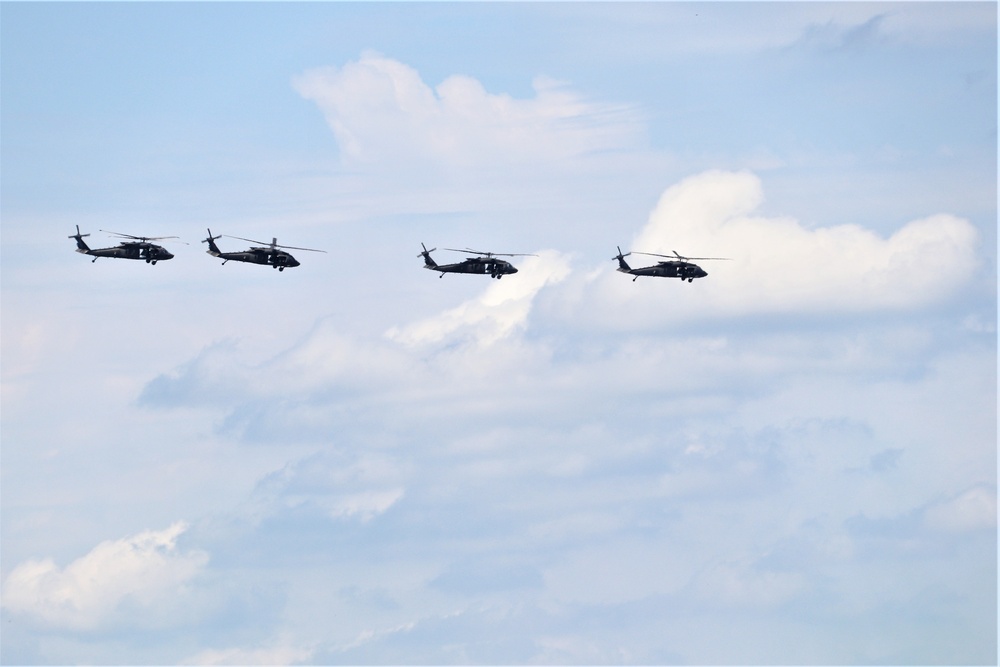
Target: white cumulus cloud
500,310
141,572
381,109
779,265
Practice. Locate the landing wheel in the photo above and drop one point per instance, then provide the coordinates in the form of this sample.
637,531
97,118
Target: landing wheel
281,268
153,262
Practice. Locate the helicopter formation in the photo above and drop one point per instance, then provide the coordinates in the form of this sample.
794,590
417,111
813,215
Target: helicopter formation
141,247
277,256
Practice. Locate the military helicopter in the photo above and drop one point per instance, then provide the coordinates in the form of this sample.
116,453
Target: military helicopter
483,262
681,267
267,254
138,247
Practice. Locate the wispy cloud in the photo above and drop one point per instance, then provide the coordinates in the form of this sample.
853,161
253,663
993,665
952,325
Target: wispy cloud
278,655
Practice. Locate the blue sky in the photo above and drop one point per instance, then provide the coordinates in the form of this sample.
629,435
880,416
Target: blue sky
354,461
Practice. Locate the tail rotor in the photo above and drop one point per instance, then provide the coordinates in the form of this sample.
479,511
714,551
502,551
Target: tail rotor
78,235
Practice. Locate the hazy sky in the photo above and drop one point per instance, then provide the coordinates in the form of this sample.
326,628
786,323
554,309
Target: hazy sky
792,460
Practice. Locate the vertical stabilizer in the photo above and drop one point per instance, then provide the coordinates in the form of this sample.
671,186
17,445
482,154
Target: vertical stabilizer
426,254
212,248
80,245
622,264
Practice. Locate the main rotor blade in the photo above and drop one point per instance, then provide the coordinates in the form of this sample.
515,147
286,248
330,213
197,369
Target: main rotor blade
698,258
128,236
240,238
273,245
291,247
140,238
677,256
493,254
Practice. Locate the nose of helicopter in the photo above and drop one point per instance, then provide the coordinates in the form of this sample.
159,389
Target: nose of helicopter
166,254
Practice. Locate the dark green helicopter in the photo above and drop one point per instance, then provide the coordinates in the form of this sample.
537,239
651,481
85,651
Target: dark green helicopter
482,263
263,254
677,266
137,247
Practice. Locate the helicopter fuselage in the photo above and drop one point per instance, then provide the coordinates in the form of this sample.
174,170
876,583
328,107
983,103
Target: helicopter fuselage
150,252
272,255
279,259
496,268
682,267
484,264
671,269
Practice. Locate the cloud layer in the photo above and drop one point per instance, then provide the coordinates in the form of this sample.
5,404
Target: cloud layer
540,451
377,465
